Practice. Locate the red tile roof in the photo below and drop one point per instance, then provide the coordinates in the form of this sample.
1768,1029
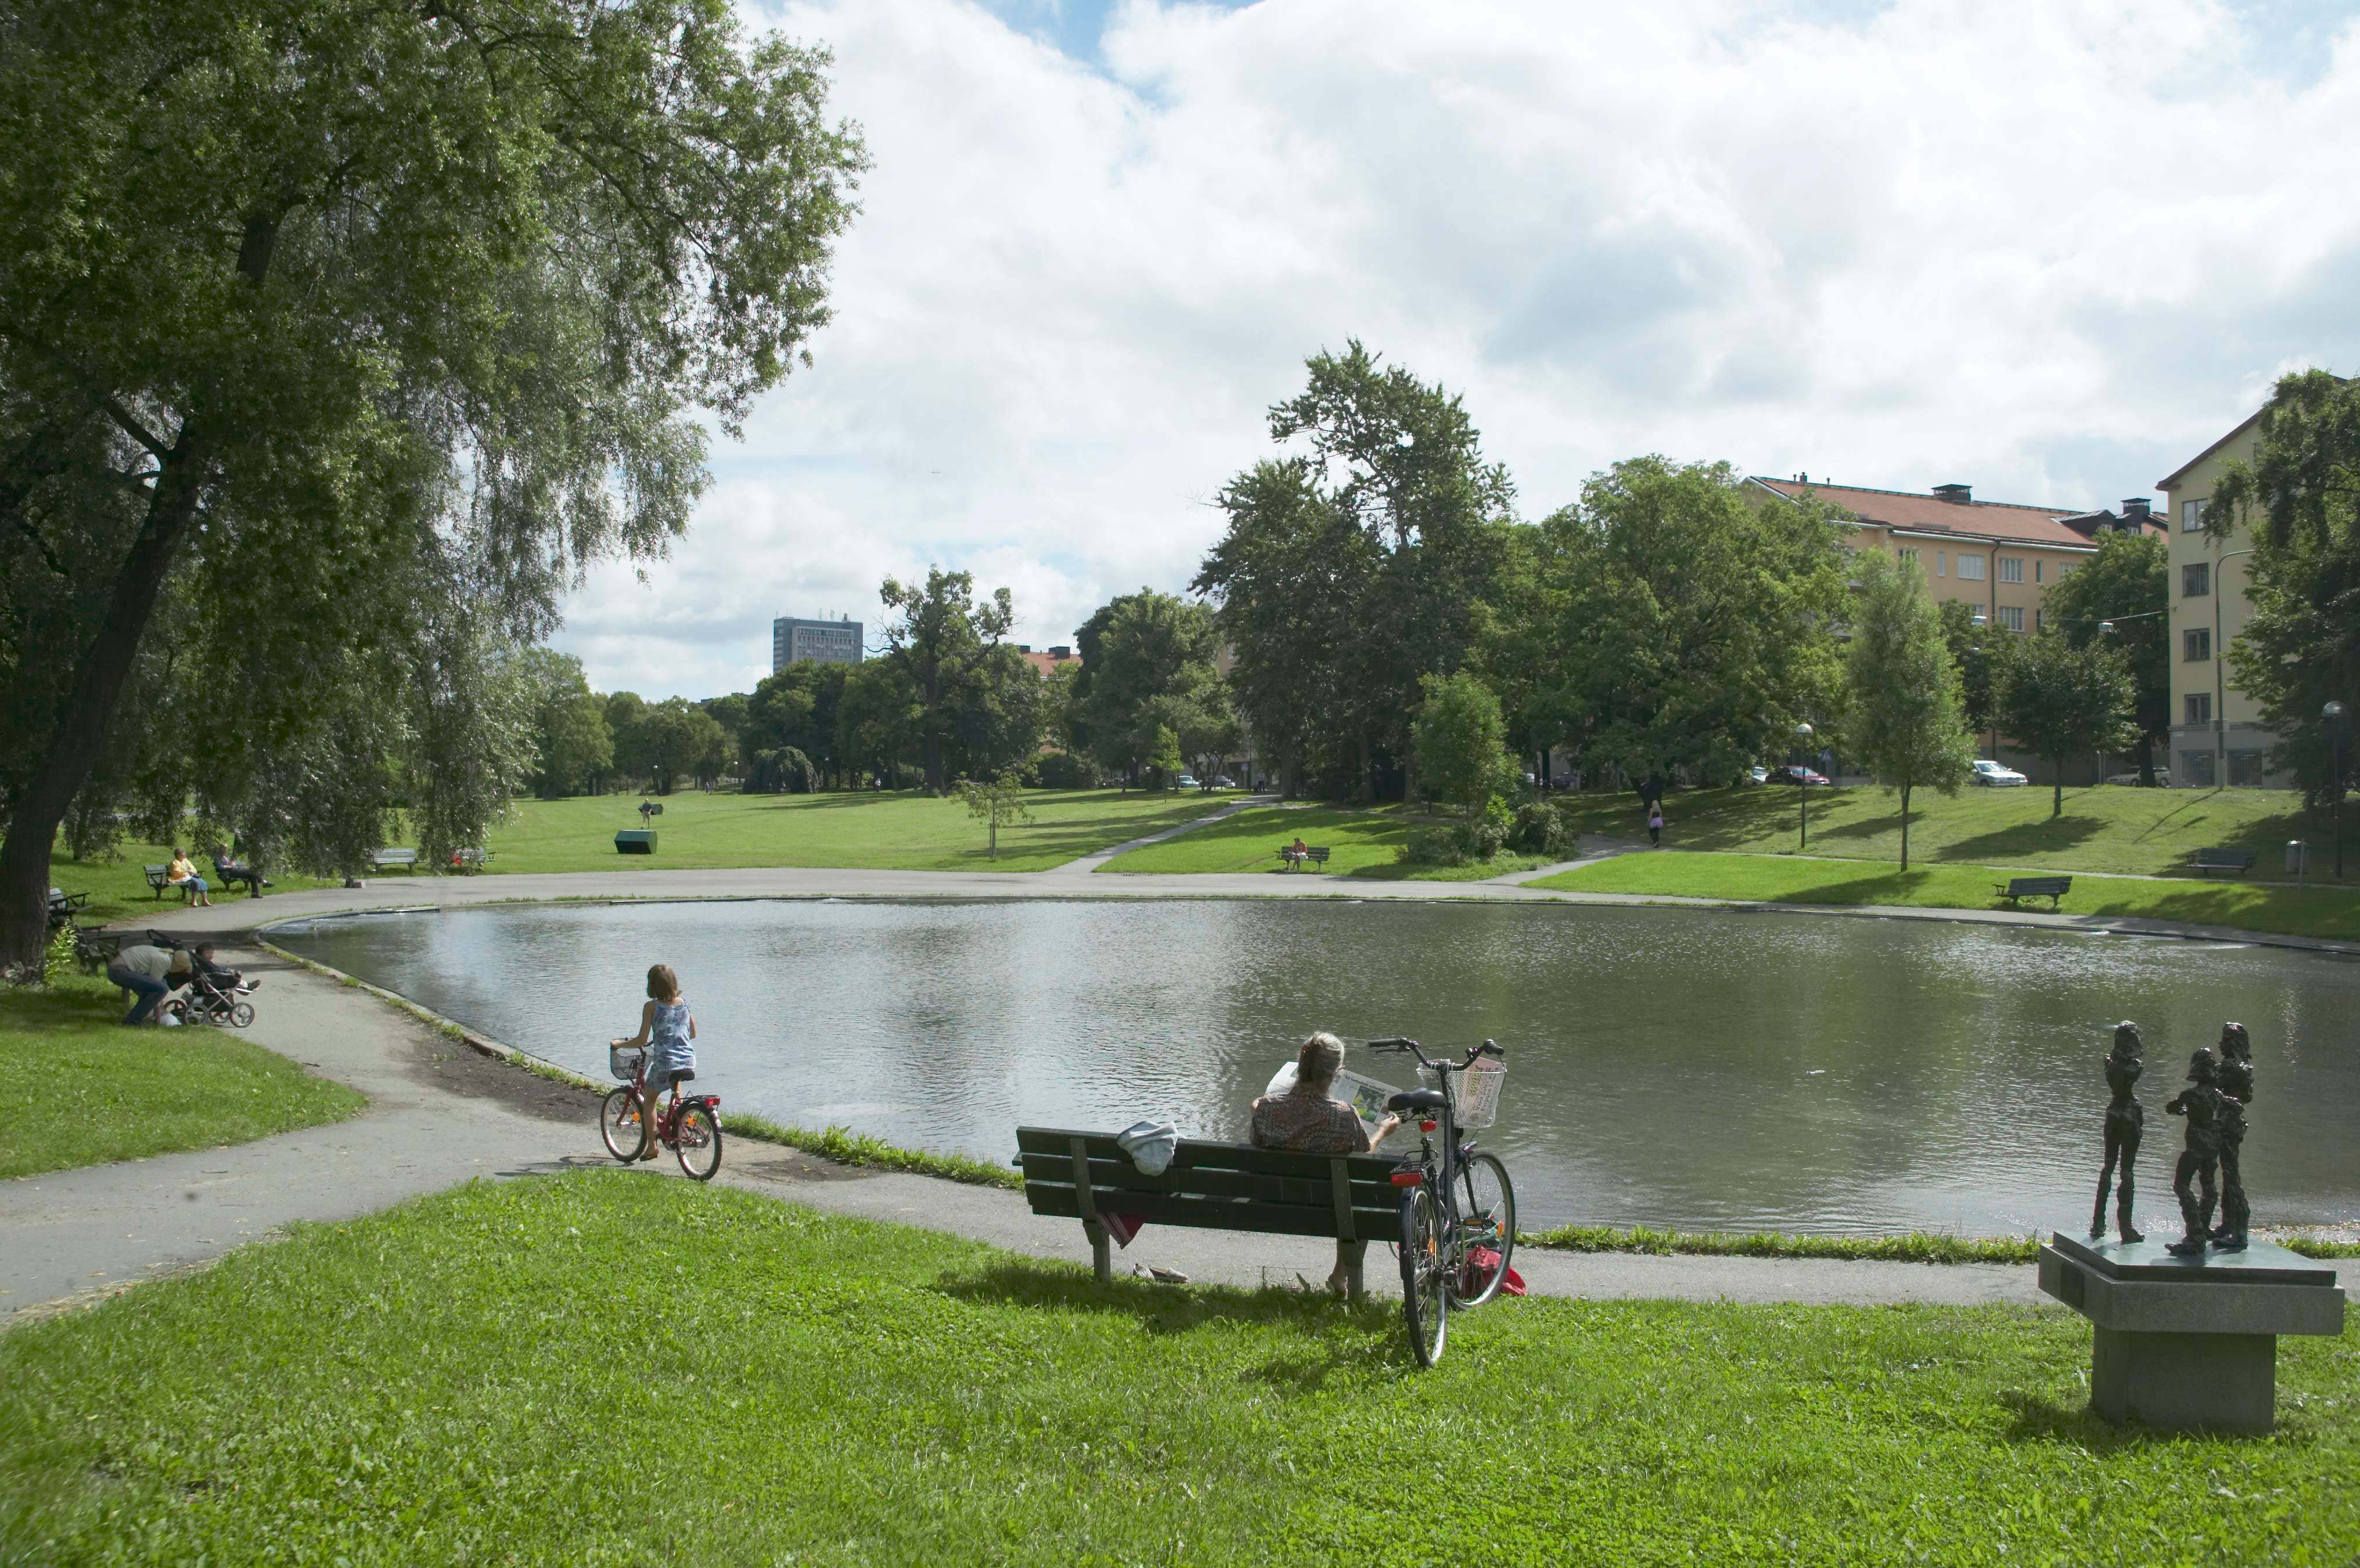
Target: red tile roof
1980,520
1043,664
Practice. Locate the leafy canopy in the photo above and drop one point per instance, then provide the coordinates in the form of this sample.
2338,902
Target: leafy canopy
1903,724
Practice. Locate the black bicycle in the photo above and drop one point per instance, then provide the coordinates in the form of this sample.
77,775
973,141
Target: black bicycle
1458,1209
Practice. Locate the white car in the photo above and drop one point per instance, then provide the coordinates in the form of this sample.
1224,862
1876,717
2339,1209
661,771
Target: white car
2162,778
1996,777
1186,781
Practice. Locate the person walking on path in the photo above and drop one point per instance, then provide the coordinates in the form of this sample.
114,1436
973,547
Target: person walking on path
666,1021
1656,825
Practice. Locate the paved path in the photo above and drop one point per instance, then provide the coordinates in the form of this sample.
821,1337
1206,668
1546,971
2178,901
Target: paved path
1090,862
440,1114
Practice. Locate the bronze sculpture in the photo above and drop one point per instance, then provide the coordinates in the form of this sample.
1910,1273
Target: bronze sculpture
2236,1084
2208,1112
2126,1122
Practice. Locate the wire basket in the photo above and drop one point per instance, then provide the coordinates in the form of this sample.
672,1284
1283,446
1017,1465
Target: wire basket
623,1061
1477,1093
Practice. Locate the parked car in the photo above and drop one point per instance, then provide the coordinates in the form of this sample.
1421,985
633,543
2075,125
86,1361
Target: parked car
2162,778
1186,781
1757,776
1991,775
1795,774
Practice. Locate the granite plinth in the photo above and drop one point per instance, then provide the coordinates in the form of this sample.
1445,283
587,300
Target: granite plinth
2188,1342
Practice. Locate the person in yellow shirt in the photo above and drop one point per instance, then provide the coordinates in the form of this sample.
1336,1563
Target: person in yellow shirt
183,874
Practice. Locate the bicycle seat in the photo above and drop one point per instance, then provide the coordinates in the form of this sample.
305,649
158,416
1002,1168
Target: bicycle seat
1416,1099
683,1074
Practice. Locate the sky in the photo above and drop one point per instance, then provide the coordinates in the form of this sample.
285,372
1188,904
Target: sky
2048,249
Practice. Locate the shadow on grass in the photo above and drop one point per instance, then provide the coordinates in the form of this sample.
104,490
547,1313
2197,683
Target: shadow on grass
1166,1308
2041,1420
2028,841
1893,887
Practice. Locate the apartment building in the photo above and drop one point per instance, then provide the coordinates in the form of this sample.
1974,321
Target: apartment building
2217,734
1998,556
793,640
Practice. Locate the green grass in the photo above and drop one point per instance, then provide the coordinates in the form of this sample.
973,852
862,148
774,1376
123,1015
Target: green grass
1916,1246
77,1088
2142,832
896,832
1361,841
2303,911
846,1147
608,1369
118,888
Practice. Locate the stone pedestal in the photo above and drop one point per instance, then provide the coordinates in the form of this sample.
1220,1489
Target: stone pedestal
2189,1342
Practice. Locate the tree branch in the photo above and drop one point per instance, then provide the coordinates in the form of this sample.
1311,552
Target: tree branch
131,425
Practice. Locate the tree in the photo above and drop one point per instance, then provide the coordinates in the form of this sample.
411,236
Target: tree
1462,743
1974,654
798,707
2300,495
937,641
1905,721
876,722
573,744
627,716
2121,594
333,314
1147,666
2059,701
674,739
996,800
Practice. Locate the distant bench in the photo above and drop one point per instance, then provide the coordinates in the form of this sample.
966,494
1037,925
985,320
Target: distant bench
1219,1187
156,875
469,861
2210,860
2052,888
386,860
1291,858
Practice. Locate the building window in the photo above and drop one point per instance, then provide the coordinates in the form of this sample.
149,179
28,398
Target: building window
2039,620
2192,517
2196,580
1908,555
2196,644
2040,571
2196,768
1970,567
1941,563
2012,617
2196,708
2246,770
2011,569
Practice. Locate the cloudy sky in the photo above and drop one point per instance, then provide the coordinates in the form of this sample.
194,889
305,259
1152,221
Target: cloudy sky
2050,250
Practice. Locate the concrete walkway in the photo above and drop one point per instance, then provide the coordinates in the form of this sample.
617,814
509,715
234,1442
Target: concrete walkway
1090,862
441,1114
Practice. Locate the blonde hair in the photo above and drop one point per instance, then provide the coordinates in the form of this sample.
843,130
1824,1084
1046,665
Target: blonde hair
1316,1062
662,985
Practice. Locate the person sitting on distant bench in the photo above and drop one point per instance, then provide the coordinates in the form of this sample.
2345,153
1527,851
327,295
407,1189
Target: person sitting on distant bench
1298,851
1309,1119
232,873
183,875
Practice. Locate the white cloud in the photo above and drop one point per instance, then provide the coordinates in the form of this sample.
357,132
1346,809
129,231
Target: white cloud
2049,249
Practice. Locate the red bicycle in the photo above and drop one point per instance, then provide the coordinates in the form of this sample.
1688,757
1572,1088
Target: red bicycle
689,1125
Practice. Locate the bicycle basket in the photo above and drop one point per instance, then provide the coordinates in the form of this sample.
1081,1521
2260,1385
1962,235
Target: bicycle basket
623,1061
1477,1093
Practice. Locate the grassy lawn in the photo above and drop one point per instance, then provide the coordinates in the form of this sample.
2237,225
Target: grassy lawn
2303,911
606,1368
1362,842
76,1088
898,832
2146,832
118,888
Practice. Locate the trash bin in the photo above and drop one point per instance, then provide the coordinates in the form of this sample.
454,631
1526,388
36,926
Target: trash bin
2297,857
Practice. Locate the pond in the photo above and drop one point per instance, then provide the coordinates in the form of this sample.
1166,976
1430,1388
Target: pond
1672,1067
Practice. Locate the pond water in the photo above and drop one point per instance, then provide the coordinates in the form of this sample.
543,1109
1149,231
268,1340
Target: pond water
1690,1067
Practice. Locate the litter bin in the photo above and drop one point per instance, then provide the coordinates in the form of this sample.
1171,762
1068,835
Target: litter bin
2297,857
635,841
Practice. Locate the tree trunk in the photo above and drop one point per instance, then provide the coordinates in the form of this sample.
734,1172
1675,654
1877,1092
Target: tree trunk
2146,754
2057,800
1904,828
80,737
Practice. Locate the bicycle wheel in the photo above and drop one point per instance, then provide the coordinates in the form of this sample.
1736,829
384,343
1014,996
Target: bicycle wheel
1487,1218
620,1124
242,1014
698,1141
1426,1283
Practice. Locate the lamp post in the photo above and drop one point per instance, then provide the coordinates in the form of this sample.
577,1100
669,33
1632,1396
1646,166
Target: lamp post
1803,784
1980,622
2333,713
2220,691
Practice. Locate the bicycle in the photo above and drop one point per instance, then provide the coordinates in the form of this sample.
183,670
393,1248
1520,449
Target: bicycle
1457,1201
689,1125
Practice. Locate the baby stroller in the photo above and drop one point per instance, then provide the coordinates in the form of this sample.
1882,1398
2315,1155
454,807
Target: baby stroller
217,995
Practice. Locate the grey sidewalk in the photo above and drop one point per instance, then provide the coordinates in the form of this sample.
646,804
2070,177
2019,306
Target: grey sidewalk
440,1114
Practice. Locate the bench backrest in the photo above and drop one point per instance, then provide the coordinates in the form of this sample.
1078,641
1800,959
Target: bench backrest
2226,857
155,874
395,856
2040,884
1228,1186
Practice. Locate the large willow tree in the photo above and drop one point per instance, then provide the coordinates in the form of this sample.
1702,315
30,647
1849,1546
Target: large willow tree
336,338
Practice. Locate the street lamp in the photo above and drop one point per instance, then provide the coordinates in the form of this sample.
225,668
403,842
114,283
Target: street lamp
2332,713
1803,790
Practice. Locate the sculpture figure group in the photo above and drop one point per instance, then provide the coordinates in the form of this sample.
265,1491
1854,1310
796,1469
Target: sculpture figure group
2219,1088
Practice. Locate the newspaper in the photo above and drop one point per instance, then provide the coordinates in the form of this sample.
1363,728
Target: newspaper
1366,1096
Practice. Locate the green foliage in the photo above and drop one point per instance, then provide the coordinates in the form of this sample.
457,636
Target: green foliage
575,748
2301,648
1061,769
2120,596
801,706
973,700
1916,1246
1147,671
1975,653
996,801
781,770
2060,700
1538,829
1461,743
1903,724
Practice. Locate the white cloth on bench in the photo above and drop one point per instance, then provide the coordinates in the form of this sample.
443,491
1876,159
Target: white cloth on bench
1149,1144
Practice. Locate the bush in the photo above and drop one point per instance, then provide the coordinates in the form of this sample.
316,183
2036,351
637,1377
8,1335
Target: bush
1537,830
1059,770
781,771
1465,843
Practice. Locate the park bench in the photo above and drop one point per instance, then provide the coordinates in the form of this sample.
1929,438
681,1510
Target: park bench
2210,860
62,905
156,875
232,873
386,860
2052,888
1220,1187
1292,858
469,861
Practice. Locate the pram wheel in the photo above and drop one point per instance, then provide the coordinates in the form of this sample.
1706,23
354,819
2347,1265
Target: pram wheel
242,1014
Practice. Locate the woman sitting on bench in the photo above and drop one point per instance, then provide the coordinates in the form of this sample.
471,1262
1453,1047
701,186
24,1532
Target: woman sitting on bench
183,875
1308,1119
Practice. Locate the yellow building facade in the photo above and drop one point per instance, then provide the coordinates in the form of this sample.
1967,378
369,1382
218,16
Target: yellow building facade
2217,734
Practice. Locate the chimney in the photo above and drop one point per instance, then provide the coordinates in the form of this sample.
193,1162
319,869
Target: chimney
1062,651
2135,511
1025,647
1957,494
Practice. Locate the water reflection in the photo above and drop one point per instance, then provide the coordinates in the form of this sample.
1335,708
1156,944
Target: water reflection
1668,1066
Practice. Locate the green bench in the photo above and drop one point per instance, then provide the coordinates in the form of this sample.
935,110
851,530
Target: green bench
2052,888
2210,860
386,860
1292,859
1219,1187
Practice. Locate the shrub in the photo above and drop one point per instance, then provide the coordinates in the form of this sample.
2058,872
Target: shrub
1059,770
781,771
1538,829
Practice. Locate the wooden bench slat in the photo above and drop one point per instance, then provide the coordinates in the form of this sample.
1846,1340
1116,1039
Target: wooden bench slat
1197,1153
1268,1219
1112,1177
